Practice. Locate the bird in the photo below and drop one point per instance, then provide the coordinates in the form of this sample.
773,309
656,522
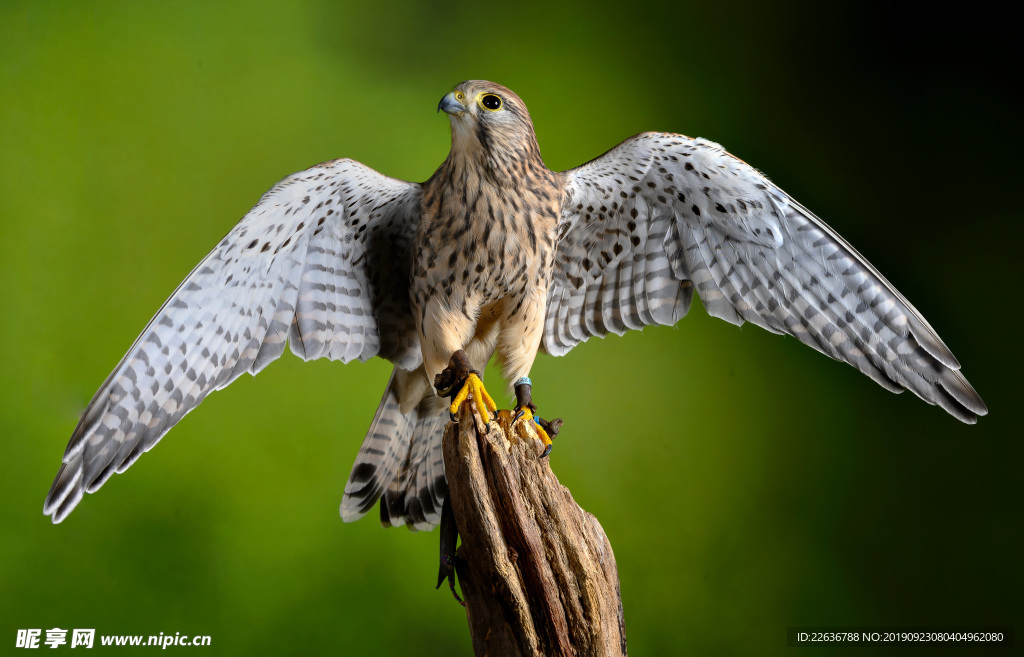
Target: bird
494,255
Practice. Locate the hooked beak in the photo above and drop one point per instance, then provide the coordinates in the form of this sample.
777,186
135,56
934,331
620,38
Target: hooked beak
451,106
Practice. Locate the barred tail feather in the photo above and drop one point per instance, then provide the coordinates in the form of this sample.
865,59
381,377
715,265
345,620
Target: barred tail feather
416,495
401,460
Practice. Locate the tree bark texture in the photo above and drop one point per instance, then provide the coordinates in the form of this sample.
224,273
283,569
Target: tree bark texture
536,570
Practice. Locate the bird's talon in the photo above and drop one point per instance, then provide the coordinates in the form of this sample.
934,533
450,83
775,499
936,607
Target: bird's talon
481,399
526,413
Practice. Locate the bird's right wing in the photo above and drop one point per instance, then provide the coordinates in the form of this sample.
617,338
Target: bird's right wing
322,262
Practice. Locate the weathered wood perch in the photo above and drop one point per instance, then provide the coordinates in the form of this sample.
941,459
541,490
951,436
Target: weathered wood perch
536,570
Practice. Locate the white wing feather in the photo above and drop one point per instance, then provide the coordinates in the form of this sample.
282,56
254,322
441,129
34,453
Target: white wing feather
321,261
662,214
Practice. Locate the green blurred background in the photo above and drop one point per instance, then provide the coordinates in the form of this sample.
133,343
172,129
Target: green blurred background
746,483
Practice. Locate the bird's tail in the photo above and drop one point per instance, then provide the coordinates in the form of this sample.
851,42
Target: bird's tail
400,459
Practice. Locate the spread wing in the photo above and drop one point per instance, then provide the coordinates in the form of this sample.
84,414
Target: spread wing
322,262
661,215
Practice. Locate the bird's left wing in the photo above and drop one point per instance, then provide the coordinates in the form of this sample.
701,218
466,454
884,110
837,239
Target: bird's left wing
661,214
322,262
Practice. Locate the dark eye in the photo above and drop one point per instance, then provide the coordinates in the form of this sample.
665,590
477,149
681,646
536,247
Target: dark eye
491,102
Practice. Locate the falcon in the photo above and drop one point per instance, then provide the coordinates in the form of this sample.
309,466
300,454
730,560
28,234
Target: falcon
495,254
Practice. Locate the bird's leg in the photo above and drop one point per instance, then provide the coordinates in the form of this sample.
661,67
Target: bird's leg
458,380
526,409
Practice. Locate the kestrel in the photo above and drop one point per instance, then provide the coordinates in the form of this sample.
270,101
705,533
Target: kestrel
494,254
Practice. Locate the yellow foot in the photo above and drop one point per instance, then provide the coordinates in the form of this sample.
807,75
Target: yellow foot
481,400
526,415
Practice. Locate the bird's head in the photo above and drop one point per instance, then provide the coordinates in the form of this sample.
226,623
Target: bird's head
490,124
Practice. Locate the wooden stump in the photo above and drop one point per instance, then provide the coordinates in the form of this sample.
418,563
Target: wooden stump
536,570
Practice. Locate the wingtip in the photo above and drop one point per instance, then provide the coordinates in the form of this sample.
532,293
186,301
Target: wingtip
59,509
978,407
956,386
57,492
66,491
